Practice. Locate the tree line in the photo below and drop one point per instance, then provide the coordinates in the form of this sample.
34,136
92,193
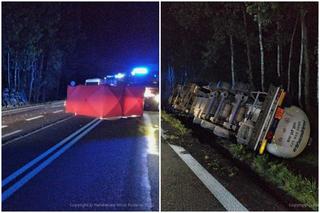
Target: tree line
254,42
36,39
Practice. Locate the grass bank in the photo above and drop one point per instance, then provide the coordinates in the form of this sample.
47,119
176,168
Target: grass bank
303,189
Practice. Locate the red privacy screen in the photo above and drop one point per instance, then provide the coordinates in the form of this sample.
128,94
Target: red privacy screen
105,101
133,101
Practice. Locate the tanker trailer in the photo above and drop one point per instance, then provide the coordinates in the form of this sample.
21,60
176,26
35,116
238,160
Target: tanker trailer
282,131
257,119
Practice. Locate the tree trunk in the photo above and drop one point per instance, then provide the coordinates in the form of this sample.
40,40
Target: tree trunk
261,53
40,90
170,81
185,77
44,95
306,63
19,81
184,73
249,71
40,81
278,49
15,73
31,80
290,54
232,60
301,58
58,84
171,78
8,69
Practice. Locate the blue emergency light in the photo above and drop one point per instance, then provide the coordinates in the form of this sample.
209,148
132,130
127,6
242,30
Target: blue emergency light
139,71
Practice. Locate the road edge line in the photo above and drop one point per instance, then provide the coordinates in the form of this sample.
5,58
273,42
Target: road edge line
11,133
25,179
23,109
25,167
27,108
37,130
229,202
147,122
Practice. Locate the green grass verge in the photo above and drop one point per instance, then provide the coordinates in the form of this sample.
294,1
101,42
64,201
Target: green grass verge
303,189
175,123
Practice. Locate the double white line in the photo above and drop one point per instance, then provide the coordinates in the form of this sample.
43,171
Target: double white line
69,141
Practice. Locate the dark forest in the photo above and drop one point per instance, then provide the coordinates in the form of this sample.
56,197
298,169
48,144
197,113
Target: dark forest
36,39
45,45
256,43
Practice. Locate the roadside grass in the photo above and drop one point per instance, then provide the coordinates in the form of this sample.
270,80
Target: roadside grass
175,123
274,171
303,189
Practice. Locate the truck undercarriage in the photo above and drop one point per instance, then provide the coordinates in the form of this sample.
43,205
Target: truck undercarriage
262,121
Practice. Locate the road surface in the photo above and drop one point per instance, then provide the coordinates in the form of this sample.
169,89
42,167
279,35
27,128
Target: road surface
52,160
197,177
181,189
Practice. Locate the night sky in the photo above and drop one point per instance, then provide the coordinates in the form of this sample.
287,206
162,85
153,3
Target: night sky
117,37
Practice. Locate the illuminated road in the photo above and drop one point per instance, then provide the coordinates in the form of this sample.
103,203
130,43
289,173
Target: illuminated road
80,163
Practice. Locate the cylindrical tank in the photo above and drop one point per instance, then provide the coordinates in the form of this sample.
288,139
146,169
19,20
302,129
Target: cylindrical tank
292,134
240,114
226,111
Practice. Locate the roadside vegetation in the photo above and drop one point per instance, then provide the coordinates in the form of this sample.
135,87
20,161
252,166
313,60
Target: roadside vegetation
37,39
175,123
274,171
303,189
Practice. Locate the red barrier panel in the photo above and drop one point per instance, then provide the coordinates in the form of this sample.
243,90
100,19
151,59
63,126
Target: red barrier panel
133,101
105,101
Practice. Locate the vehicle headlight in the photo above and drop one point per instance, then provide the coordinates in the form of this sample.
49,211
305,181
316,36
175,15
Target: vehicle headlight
156,98
148,93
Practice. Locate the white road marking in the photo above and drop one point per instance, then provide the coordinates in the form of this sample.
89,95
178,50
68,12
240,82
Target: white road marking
229,202
33,118
153,148
21,109
35,131
58,111
111,118
16,186
11,133
4,126
43,155
59,105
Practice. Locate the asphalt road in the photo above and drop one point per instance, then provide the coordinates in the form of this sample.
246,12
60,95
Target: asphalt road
186,187
20,122
104,165
181,189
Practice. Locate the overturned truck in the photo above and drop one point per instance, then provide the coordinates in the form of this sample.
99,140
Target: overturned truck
262,121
